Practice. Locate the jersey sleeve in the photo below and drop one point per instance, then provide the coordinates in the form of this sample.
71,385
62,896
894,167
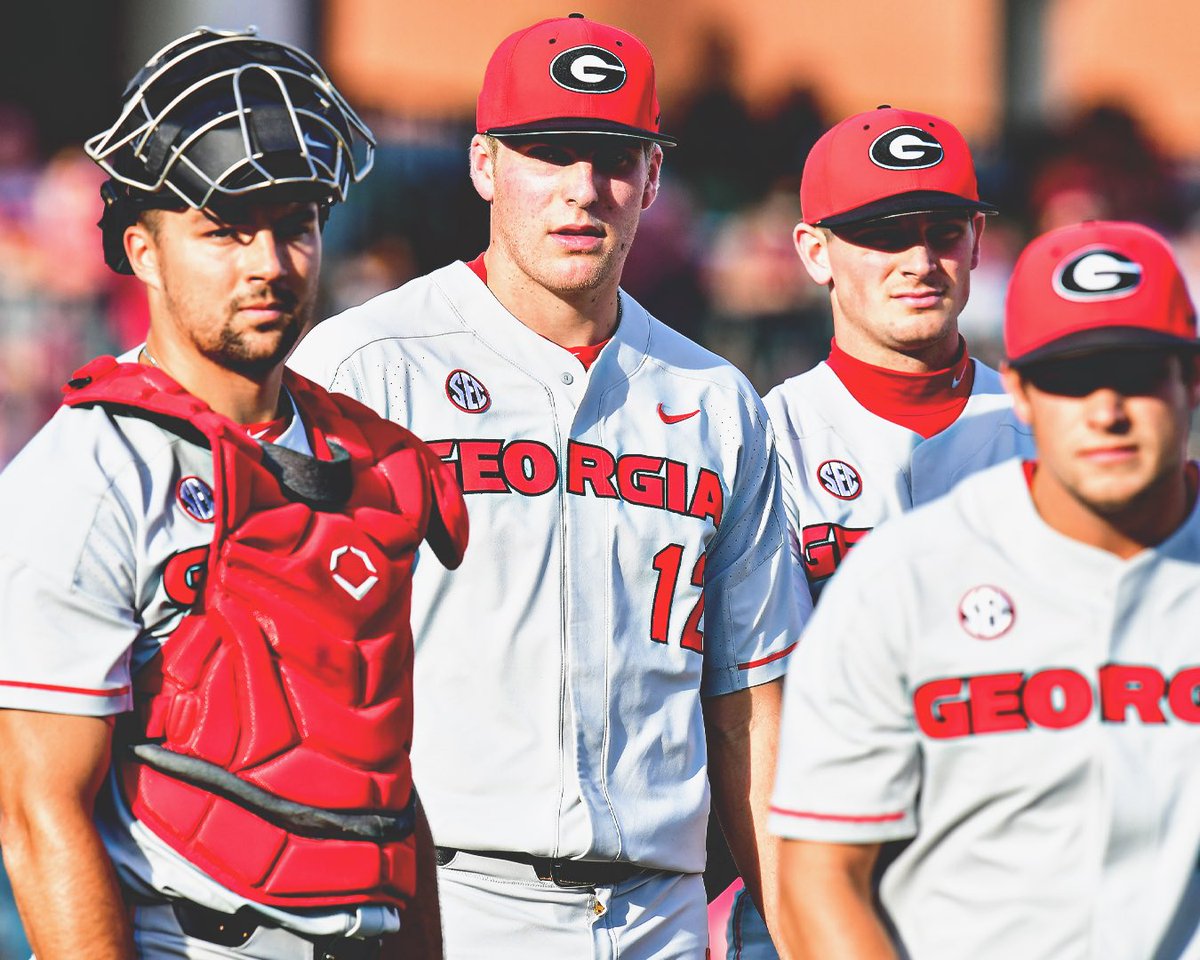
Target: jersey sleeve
67,573
752,616
775,403
333,354
849,754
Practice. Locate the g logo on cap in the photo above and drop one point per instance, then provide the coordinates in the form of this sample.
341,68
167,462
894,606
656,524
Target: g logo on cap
906,148
588,69
1097,273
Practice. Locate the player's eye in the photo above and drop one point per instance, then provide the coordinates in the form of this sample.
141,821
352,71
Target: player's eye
887,240
1130,373
615,160
548,153
946,236
297,226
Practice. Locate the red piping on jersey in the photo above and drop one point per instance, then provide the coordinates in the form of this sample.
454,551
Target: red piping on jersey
83,691
926,403
586,354
775,656
841,818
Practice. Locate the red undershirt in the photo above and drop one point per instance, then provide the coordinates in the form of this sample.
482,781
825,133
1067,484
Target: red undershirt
926,403
586,355
269,430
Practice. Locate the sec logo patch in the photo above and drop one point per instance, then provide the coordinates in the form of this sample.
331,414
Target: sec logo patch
196,498
986,612
839,479
467,392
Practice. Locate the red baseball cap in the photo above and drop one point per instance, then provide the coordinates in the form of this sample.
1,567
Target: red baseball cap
888,162
570,75
1095,286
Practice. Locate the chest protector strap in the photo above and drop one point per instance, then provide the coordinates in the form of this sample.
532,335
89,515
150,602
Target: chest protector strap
269,744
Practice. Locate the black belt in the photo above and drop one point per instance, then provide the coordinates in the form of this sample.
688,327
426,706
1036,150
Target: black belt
234,929
564,873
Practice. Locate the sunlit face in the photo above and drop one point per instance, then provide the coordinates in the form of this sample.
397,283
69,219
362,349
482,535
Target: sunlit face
565,208
1111,428
896,284
238,288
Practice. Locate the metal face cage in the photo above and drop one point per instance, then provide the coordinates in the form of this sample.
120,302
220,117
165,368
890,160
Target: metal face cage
226,113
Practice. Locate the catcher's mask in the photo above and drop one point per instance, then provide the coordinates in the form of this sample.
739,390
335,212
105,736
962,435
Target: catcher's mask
216,115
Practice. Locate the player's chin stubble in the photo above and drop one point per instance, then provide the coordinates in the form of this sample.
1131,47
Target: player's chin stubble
256,353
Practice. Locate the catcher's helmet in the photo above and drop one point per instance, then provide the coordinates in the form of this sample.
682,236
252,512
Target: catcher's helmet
218,114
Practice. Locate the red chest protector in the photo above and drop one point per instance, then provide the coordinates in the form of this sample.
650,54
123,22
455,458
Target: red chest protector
272,733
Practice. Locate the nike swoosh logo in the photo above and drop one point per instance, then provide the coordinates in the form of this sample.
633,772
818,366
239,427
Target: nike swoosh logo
962,375
675,417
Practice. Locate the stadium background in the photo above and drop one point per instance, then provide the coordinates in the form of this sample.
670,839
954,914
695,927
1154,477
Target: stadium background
1075,108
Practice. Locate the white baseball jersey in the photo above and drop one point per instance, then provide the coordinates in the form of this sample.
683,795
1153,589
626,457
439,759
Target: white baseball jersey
627,555
102,513
845,469
1027,709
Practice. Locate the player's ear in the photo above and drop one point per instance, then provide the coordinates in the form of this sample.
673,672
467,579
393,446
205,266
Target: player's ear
483,167
142,252
812,245
1014,384
650,191
978,221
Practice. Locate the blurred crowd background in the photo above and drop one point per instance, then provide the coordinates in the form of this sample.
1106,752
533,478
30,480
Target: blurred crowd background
1075,109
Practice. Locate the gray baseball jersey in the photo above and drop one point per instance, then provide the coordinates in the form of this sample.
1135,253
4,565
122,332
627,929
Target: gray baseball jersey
628,555
1025,707
101,513
845,469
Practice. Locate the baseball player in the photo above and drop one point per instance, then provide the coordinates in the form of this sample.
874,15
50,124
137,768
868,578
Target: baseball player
1019,697
899,412
205,573
627,595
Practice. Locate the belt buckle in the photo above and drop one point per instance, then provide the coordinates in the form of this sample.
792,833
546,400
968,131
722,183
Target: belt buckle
345,948
213,926
565,882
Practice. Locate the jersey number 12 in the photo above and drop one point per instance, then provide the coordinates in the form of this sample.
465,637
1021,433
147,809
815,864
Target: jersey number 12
667,562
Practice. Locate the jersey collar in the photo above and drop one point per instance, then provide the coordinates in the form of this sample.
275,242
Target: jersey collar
586,355
925,403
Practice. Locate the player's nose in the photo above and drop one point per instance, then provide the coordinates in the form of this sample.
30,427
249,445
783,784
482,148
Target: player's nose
1107,410
579,183
919,258
264,257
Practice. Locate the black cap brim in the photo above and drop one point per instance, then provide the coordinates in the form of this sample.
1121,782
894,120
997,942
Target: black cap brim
579,125
1100,339
903,204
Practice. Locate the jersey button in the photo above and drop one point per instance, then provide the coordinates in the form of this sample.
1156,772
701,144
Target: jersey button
567,378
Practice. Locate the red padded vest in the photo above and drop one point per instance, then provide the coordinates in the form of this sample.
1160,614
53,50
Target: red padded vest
271,734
